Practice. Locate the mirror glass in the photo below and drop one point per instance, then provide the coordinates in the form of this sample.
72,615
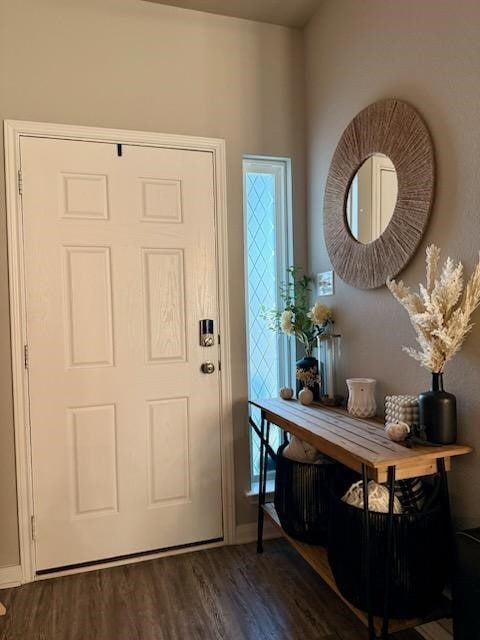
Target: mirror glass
372,198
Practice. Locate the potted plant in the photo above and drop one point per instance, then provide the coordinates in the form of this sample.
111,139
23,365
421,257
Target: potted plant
440,316
296,317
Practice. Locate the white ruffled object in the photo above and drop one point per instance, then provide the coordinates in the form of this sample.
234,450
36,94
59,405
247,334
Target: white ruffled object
378,497
397,431
300,451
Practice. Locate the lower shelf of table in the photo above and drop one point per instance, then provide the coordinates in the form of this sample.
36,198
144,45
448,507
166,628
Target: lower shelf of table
316,556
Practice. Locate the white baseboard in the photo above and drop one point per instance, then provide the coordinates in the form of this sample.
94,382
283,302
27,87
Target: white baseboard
435,631
245,533
10,576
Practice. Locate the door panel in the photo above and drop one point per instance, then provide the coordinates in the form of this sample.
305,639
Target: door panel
120,268
93,444
164,287
169,477
88,285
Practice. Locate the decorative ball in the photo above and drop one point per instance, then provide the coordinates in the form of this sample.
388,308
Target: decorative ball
286,393
397,431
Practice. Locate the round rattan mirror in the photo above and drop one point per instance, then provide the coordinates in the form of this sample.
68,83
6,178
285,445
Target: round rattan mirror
394,129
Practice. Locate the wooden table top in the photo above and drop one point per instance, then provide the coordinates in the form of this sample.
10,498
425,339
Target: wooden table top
356,441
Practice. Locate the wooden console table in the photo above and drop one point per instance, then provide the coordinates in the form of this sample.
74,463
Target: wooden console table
361,445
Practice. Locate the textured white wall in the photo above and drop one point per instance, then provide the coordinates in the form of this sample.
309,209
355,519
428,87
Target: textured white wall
136,65
428,55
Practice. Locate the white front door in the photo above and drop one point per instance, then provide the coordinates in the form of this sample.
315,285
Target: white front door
120,267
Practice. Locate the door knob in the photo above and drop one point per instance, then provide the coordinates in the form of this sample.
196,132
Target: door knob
207,367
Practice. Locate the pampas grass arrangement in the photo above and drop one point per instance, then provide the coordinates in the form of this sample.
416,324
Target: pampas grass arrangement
439,313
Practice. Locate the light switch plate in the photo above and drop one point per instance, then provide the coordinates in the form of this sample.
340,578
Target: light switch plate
325,283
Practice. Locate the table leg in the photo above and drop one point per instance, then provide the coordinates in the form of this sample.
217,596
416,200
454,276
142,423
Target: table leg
444,485
261,513
446,506
388,551
368,560
265,463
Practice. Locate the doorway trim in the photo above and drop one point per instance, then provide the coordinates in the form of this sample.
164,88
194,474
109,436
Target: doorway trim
13,131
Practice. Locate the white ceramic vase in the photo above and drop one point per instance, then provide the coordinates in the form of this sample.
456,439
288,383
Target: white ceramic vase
305,396
361,397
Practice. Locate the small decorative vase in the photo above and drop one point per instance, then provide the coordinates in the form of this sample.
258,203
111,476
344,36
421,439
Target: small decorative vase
308,362
438,412
361,397
306,396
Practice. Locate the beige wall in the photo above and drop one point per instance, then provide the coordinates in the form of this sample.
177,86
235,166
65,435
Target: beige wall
426,53
134,65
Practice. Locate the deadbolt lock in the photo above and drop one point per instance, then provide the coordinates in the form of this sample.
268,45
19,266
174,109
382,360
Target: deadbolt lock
206,333
207,367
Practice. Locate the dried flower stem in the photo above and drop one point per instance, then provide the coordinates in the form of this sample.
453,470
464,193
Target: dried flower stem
439,314
308,377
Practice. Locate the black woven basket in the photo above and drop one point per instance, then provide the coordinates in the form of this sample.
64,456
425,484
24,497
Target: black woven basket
302,497
418,568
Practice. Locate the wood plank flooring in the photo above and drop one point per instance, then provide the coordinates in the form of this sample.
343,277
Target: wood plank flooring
228,593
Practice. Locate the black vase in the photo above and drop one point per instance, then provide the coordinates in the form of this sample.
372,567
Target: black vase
307,362
438,412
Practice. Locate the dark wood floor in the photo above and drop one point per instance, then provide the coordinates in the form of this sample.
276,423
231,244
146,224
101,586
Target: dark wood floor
229,593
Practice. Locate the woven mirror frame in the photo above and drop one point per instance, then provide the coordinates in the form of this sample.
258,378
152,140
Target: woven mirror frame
395,129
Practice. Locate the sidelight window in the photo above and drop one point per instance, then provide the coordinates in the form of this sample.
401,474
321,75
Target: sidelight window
268,239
